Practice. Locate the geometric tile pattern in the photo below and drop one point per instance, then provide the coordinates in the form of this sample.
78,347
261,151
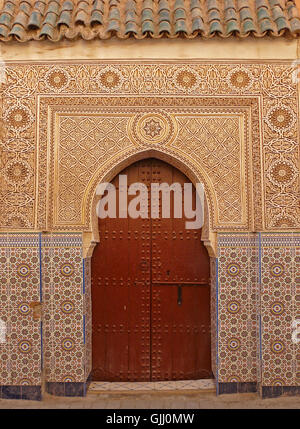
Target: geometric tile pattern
213,313
87,318
280,306
20,354
254,301
63,300
237,307
42,305
258,300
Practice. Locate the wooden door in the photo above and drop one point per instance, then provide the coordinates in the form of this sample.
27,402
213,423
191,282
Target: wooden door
150,293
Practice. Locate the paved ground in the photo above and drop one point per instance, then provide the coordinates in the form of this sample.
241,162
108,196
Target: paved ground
163,400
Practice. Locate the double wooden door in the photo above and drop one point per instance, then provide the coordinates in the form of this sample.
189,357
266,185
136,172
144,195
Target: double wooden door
150,292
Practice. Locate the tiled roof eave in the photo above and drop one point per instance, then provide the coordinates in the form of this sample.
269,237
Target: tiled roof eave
55,20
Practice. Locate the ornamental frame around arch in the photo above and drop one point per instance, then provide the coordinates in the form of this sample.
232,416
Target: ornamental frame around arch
49,216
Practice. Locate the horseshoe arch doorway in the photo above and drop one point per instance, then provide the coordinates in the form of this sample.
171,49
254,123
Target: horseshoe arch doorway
150,292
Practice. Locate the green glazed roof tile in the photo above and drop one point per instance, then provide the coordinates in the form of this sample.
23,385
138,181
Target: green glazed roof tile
47,30
262,13
6,19
130,5
215,27
281,24
40,7
67,5
261,3
196,13
113,26
211,4
96,18
148,4
3,31
25,7
230,14
147,27
114,14
98,5
248,26
163,4
25,20
180,26
35,20
53,7
164,26
277,12
164,15
293,12
197,25
65,18
194,3
21,18
295,25
242,3
273,3
18,31
179,14
245,13
147,14
83,6
214,15
81,17
265,25
50,18
229,4
131,27
232,26
9,7
130,16
179,4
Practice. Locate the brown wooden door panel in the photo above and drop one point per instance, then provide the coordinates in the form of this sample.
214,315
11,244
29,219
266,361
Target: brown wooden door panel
180,333
140,332
122,299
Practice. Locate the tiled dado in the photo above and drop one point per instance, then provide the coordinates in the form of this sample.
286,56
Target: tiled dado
43,306
237,285
64,308
46,306
20,354
280,306
257,301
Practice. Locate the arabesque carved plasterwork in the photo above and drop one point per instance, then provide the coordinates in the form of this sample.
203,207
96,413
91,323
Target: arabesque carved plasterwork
265,90
87,141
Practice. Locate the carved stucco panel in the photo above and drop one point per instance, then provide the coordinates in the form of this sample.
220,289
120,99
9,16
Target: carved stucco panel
274,161
211,139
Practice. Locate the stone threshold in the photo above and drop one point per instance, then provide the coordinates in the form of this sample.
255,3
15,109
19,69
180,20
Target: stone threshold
152,386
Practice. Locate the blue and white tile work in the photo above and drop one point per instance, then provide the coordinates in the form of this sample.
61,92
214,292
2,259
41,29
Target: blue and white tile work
42,307
46,308
258,300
